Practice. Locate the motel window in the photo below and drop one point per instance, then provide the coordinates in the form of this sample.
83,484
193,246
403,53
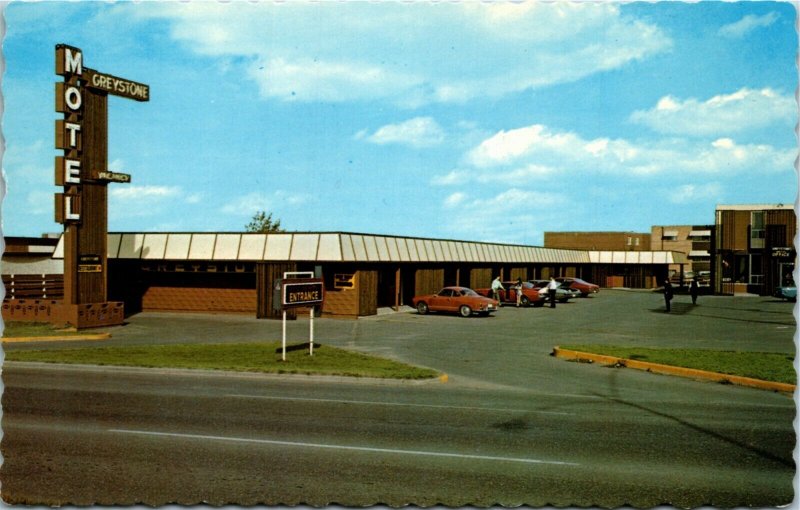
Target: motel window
757,232
669,235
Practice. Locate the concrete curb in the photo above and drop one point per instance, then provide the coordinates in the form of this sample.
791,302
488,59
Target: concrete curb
55,338
671,370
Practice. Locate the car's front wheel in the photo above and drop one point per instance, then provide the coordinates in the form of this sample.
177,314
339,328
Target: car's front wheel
525,301
465,311
422,308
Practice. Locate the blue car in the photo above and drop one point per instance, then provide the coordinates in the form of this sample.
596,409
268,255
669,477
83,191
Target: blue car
788,292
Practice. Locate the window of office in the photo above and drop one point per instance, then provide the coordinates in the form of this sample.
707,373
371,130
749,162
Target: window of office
757,225
757,231
756,270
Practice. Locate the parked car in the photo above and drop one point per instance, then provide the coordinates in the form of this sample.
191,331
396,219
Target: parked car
583,286
788,292
562,294
462,300
703,278
530,294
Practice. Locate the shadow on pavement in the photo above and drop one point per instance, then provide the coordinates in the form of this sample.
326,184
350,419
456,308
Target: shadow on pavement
786,461
701,311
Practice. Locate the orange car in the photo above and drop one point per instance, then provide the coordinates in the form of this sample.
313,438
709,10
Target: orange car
584,287
455,299
530,294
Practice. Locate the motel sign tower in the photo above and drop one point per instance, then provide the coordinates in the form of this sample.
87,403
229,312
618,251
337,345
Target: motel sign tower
82,170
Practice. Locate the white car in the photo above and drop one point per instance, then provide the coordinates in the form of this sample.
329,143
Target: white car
562,294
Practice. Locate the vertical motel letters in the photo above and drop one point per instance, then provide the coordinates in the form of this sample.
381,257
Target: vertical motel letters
69,101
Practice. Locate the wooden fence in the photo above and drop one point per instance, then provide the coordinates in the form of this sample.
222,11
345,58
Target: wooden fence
34,286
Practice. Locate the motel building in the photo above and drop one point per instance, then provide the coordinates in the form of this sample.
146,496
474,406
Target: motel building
237,272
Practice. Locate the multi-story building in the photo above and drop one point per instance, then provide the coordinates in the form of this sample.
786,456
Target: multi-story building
696,241
613,241
754,248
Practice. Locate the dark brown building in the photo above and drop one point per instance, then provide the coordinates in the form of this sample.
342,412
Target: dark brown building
754,248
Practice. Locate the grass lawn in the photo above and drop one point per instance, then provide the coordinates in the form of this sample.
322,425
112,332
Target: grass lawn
20,329
767,366
241,357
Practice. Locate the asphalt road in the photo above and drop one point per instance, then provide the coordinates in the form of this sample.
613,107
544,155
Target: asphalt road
511,426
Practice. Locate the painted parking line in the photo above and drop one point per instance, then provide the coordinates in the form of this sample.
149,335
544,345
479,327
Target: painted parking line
341,447
399,404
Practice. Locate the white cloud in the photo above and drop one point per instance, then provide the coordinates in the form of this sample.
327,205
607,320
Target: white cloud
144,193
116,165
534,151
493,219
40,202
522,175
247,205
743,110
506,146
747,24
329,81
417,132
411,54
194,198
127,201
454,200
709,193
453,177
20,154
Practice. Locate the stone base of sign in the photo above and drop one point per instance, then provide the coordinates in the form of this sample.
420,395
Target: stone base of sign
57,313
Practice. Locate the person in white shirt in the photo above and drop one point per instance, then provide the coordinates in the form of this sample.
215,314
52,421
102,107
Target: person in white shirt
551,291
497,286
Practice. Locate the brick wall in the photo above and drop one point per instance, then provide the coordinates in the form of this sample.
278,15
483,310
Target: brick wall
613,241
199,299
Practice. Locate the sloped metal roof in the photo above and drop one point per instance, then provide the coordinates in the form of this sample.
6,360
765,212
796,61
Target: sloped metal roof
347,247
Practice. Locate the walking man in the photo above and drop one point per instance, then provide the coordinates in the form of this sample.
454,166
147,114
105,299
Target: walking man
694,289
551,291
667,293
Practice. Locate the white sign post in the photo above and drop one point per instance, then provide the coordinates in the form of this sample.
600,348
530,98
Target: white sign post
301,289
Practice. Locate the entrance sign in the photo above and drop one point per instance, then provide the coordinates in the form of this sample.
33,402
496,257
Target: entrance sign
82,170
301,289
304,292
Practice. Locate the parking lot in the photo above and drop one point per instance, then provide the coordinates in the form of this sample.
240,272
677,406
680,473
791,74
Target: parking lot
509,343
540,430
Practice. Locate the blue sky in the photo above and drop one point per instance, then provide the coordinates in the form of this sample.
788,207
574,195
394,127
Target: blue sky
473,121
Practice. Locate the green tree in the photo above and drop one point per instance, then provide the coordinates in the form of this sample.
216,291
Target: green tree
262,223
